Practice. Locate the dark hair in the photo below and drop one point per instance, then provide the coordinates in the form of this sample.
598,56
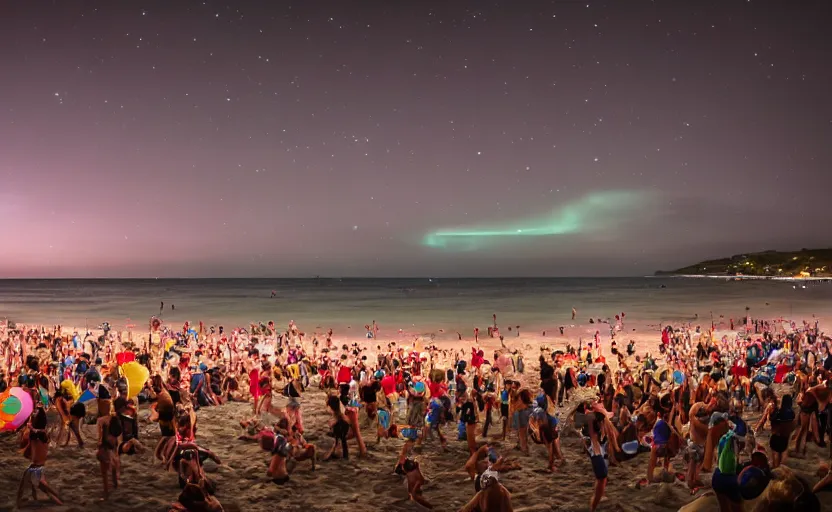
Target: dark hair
114,427
39,420
333,403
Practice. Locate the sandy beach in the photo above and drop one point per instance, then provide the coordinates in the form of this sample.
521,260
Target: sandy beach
368,483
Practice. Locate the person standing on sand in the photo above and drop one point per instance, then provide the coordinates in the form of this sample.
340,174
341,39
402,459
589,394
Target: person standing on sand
695,450
36,448
783,423
468,415
156,346
520,402
109,430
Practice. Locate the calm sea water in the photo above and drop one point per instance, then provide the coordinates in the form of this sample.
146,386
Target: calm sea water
415,305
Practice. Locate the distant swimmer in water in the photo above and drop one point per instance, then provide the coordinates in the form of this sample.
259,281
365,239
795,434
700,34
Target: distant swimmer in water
173,307
574,312
274,294
161,307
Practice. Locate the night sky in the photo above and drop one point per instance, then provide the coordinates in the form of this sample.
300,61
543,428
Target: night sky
401,138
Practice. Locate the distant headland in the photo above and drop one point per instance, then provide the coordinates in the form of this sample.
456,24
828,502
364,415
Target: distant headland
802,264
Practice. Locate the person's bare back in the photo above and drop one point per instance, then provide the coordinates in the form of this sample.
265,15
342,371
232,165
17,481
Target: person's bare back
698,429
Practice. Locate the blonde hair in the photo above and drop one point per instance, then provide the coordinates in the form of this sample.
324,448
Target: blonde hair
781,492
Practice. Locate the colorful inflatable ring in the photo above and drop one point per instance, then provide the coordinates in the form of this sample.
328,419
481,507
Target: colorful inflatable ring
15,408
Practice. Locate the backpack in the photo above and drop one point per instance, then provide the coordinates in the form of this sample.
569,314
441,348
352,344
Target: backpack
727,454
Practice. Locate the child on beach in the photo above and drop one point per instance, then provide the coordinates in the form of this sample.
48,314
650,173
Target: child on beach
36,448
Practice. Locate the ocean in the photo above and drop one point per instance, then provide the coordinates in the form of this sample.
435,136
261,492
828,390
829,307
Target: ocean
418,306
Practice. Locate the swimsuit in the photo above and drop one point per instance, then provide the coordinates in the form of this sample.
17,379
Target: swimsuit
599,463
778,443
35,473
78,410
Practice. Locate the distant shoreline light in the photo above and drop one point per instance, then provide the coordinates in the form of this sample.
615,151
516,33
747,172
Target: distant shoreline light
744,278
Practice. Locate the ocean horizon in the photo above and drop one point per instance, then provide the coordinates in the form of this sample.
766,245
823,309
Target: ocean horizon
415,305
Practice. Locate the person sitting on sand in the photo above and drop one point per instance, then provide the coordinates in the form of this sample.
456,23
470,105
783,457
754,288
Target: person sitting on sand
230,387
36,448
492,496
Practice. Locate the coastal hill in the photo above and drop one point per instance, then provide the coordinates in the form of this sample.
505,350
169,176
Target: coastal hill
802,263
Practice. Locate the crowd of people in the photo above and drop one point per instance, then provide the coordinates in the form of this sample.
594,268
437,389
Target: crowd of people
688,397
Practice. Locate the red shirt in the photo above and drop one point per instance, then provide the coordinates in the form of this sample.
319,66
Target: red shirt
476,359
388,384
739,371
436,388
344,375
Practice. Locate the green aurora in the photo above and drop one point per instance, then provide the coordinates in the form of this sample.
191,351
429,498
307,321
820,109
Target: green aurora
594,212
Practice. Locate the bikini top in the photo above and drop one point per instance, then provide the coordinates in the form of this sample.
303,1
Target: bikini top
38,435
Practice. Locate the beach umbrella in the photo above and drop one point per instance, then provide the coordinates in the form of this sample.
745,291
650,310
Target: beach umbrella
15,408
